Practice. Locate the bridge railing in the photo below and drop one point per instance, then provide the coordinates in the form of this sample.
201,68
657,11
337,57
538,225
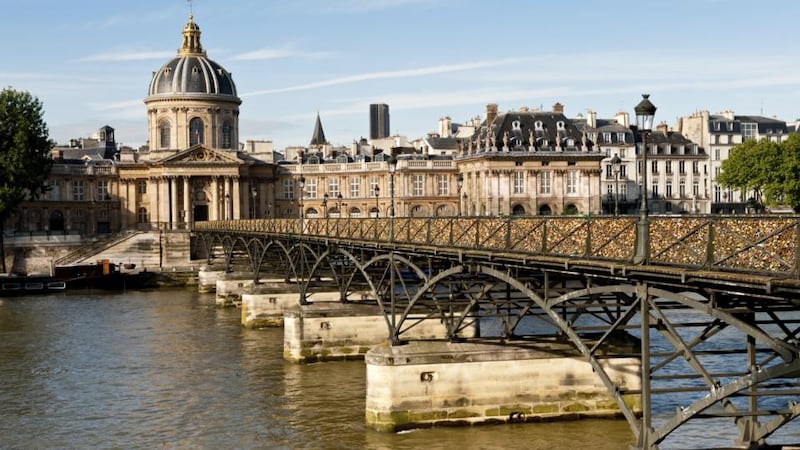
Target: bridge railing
762,244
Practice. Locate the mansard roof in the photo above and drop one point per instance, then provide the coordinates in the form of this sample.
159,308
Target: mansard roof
526,130
722,124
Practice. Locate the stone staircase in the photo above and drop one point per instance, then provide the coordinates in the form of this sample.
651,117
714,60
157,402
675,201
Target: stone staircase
142,248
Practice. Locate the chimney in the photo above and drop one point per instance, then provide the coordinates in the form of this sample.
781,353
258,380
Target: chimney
623,118
663,128
491,113
591,119
558,108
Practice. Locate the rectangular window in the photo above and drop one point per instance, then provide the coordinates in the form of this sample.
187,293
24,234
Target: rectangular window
622,153
572,182
749,131
654,190
695,189
669,189
374,190
695,167
667,167
654,167
333,187
355,187
623,191
623,174
102,190
519,182
418,185
311,188
682,189
443,185
682,167
288,189
544,182
141,187
716,154
79,190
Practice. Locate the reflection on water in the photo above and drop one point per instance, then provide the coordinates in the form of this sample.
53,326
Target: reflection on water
168,369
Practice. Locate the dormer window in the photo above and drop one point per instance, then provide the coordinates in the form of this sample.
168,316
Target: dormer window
516,125
341,159
607,137
570,142
312,160
560,125
621,137
538,125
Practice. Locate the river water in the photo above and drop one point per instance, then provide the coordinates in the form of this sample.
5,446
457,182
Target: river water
167,369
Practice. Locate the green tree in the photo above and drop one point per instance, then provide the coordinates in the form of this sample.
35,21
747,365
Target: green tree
788,174
751,166
24,153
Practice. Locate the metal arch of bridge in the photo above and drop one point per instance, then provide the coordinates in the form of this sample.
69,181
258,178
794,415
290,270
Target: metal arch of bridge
591,309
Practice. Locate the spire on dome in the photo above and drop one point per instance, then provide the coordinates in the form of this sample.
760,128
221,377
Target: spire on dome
191,38
318,138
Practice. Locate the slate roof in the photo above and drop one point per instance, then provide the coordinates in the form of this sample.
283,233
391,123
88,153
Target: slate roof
719,124
318,137
544,131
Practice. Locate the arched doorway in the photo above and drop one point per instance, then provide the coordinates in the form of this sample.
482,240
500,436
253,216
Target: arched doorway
518,210
571,210
56,220
545,210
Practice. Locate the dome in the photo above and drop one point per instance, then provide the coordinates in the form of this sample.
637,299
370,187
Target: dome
191,72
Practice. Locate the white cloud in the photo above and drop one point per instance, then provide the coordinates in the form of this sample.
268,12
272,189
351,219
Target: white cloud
276,53
127,56
405,73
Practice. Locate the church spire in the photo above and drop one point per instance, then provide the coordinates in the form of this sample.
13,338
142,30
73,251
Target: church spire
318,138
191,38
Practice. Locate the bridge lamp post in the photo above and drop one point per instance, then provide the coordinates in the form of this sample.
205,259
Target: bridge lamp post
339,204
460,185
615,163
301,183
377,208
645,113
392,170
227,206
254,193
325,206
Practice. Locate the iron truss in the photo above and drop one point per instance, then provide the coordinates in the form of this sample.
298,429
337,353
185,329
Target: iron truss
715,340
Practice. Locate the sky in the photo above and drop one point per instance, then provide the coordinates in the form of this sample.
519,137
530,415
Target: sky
90,61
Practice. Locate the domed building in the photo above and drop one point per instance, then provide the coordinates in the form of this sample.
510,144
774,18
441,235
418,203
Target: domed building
192,169
192,100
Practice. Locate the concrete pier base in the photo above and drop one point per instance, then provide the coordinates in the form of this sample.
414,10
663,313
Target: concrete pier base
230,289
267,307
207,279
338,331
424,384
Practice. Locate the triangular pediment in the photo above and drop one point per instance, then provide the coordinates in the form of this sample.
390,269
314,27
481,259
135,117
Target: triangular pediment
199,154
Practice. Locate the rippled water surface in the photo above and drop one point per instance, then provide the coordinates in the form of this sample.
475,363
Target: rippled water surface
167,369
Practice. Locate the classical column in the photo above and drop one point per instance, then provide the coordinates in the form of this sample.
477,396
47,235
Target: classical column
187,195
163,202
174,217
236,198
213,208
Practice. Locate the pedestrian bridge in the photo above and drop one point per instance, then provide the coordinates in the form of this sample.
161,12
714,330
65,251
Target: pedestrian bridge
712,302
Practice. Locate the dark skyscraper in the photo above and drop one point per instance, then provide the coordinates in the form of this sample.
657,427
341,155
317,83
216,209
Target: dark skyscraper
378,121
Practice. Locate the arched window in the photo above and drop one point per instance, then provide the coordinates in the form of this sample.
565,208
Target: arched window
195,131
227,134
142,215
164,131
545,210
518,210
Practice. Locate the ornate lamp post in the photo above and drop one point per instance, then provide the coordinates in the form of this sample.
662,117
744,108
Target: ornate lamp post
392,170
460,184
254,193
339,204
615,163
227,206
645,113
377,208
325,206
301,183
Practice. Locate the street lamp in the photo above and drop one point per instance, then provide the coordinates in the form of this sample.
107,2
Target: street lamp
325,206
460,184
645,113
392,170
615,163
301,183
227,205
377,209
339,204
254,193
